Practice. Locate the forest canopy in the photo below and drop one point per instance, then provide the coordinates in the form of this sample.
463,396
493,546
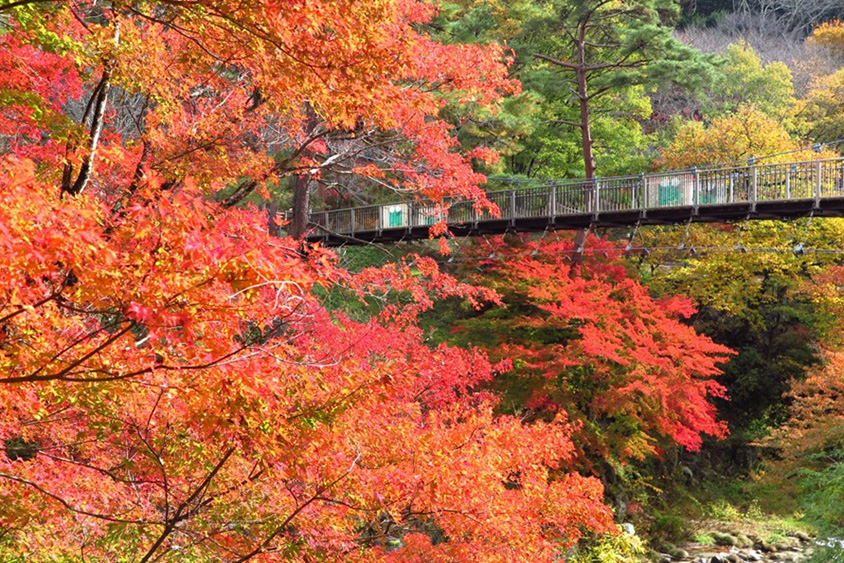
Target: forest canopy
183,377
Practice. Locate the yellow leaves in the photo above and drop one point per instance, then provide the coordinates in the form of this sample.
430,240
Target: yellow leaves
822,113
731,139
829,34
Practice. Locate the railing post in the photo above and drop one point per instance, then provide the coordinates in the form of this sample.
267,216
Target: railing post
696,188
754,183
731,196
552,198
818,183
512,205
788,172
409,215
352,220
841,181
596,206
644,180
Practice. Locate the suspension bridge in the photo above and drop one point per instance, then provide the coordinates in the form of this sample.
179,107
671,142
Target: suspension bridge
724,194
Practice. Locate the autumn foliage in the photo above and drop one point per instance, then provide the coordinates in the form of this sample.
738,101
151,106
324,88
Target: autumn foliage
829,34
594,344
817,416
241,95
172,388
172,384
732,140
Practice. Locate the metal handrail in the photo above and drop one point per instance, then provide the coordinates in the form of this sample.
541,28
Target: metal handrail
694,187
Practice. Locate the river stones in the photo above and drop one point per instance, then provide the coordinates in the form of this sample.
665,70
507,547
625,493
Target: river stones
752,555
696,553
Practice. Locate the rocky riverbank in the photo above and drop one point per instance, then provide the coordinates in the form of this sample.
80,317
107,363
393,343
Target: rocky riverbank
724,547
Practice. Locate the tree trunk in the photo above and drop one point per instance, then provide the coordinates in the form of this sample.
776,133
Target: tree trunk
272,212
98,102
586,141
585,125
99,99
301,206
301,185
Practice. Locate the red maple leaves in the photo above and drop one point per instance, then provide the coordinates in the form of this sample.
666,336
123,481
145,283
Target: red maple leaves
598,346
173,384
176,383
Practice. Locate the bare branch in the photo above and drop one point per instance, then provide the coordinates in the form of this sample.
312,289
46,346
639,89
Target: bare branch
59,375
67,505
181,512
11,5
317,496
562,122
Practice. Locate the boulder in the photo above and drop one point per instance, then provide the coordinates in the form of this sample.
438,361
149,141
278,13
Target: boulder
743,541
792,542
751,555
724,539
782,546
763,545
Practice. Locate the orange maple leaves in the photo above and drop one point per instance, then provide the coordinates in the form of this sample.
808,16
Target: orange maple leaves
215,90
172,383
181,390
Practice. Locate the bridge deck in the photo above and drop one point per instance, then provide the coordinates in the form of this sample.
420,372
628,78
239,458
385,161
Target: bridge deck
775,191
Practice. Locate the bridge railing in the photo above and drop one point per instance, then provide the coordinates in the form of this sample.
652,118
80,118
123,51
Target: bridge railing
682,188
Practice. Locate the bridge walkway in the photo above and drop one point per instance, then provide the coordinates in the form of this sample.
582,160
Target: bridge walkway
727,194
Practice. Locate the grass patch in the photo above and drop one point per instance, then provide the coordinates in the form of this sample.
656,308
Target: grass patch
723,511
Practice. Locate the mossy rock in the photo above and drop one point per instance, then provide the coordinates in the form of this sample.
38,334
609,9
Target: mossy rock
665,547
724,539
743,541
677,553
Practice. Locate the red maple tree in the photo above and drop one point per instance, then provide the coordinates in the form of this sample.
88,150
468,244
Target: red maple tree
596,345
172,384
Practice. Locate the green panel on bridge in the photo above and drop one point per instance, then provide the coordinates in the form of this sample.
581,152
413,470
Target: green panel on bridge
669,194
394,219
708,196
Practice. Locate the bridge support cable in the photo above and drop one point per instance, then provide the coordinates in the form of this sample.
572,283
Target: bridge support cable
799,248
